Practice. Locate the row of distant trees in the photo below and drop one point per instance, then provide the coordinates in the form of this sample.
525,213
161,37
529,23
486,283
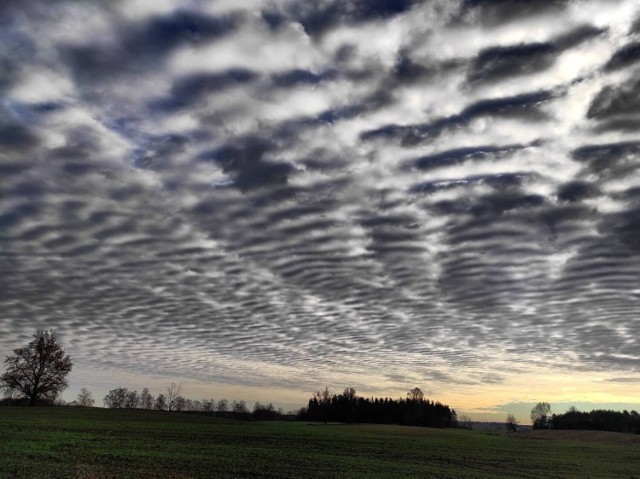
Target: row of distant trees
123,398
36,373
348,407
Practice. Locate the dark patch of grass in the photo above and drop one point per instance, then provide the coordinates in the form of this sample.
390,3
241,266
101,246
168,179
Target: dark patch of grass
99,443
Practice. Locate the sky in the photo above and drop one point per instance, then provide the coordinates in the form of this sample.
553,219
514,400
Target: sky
260,198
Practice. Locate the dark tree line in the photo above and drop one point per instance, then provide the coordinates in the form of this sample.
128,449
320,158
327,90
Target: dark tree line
123,398
347,407
599,420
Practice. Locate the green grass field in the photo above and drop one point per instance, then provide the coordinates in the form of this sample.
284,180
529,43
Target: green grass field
99,443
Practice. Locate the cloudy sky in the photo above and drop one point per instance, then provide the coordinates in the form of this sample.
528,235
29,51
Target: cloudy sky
260,198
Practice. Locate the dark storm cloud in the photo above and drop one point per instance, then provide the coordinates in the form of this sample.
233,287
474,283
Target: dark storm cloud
576,191
180,27
298,77
607,153
577,36
16,137
526,106
318,18
15,134
17,48
497,63
609,161
625,227
199,193
159,150
13,169
624,57
142,45
498,182
247,160
407,70
617,106
190,91
456,157
493,12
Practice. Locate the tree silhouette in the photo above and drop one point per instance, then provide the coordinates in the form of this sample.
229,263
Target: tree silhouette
415,394
222,407
132,400
173,391
511,424
179,403
239,407
263,412
85,398
146,399
465,422
161,403
540,415
323,400
39,369
116,398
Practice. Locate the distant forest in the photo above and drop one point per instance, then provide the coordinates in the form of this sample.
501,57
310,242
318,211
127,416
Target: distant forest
347,407
598,420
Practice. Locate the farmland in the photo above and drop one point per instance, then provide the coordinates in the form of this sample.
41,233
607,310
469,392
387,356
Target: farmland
99,443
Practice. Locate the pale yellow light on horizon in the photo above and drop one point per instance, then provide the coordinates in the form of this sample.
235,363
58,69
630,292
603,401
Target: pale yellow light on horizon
487,402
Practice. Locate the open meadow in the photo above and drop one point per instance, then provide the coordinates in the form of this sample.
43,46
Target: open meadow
101,443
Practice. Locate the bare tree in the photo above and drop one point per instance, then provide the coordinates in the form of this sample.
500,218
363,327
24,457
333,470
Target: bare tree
180,404
540,415
208,405
173,391
323,397
349,393
85,398
146,399
222,406
511,424
262,412
132,400
239,407
465,422
116,398
39,369
326,395
324,401
161,403
415,394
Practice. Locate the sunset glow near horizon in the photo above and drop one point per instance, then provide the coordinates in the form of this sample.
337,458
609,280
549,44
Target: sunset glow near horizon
261,198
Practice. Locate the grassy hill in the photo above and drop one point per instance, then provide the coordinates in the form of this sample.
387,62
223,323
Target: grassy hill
98,443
